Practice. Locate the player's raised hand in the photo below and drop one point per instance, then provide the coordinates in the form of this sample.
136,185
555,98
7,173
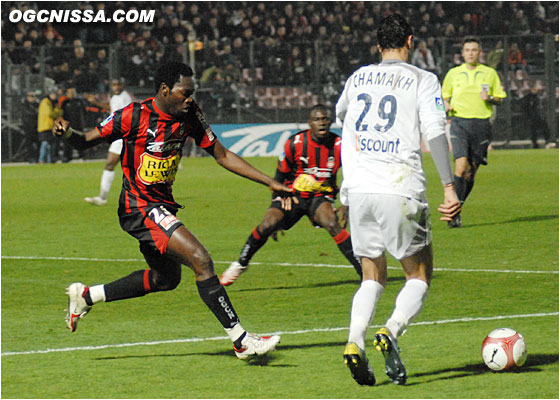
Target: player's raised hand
451,205
60,127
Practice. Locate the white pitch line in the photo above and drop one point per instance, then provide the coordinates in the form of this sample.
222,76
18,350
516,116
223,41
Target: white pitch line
507,271
298,332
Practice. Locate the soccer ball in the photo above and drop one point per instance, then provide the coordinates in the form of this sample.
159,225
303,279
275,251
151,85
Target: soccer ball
504,349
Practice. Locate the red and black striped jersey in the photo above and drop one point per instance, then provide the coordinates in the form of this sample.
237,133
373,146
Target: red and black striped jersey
303,155
153,143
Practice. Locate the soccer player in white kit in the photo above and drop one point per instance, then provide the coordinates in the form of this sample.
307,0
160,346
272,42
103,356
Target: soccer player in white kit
120,99
385,109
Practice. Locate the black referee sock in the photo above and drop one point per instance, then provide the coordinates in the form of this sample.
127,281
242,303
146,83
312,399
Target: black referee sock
215,297
468,187
136,284
252,245
460,185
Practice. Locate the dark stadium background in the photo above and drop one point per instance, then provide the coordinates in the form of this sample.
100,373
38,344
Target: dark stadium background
267,62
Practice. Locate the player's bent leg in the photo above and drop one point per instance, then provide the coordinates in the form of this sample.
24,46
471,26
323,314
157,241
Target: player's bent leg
257,239
418,270
325,217
107,177
186,248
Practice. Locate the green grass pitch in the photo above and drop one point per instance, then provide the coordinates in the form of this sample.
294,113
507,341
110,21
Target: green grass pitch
500,270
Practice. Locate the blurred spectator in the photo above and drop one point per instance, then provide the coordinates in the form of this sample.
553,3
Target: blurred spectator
48,112
74,111
29,114
515,58
520,24
422,57
496,56
535,123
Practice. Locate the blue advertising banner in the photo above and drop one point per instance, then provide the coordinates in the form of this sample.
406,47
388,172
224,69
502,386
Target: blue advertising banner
258,140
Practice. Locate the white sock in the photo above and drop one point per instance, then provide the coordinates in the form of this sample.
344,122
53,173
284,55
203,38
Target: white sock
408,305
106,182
235,332
363,310
97,293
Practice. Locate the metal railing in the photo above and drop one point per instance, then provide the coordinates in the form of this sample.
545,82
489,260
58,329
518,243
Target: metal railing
279,83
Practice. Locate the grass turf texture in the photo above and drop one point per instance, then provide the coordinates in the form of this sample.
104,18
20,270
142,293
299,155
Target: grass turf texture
511,223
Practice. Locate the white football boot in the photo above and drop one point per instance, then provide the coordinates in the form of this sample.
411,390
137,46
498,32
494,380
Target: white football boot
253,345
77,306
231,274
98,201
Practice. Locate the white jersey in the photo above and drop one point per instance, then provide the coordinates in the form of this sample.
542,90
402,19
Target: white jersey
120,100
384,109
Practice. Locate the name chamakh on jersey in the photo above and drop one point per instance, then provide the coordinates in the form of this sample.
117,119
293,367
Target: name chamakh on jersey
152,151
384,110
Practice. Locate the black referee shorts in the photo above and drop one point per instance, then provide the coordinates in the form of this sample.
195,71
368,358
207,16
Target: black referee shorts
470,138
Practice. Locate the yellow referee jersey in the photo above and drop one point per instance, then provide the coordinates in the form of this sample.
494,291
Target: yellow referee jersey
464,85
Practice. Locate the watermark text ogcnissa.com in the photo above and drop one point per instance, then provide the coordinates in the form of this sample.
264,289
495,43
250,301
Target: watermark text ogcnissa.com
82,16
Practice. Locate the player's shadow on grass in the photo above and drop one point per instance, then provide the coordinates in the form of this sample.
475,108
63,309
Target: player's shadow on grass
533,218
260,361
354,282
534,361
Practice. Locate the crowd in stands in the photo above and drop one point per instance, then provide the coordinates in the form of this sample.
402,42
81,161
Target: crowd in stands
247,48
276,37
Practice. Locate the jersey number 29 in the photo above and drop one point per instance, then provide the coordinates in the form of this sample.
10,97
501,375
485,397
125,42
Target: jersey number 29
387,101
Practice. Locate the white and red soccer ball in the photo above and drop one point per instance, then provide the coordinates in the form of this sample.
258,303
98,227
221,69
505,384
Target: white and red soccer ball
504,349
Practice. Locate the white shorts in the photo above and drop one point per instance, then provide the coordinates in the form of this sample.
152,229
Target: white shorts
116,147
380,222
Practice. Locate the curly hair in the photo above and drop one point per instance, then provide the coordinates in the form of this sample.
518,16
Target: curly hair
170,74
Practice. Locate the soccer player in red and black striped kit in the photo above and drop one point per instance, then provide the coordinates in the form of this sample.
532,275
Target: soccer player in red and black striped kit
154,132
309,164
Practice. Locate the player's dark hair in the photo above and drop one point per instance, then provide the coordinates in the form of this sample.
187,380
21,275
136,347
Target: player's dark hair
471,39
170,74
393,32
320,107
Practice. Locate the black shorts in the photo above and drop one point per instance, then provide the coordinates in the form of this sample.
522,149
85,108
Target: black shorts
152,226
304,207
470,138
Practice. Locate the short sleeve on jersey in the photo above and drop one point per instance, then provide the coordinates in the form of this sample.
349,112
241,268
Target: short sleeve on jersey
117,125
285,158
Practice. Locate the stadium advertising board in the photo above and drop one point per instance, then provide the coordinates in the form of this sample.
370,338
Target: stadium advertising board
258,140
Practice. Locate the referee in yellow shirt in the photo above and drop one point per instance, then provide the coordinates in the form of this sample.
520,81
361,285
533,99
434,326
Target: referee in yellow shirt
469,91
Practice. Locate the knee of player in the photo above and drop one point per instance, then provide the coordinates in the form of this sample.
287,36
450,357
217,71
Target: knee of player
201,261
331,225
266,227
166,281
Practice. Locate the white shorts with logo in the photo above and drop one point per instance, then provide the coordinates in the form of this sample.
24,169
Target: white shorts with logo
380,222
116,147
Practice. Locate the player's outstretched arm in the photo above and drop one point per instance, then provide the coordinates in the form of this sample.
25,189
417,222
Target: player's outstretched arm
239,166
62,129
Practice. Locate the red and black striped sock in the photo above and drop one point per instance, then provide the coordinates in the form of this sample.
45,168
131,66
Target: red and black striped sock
344,243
